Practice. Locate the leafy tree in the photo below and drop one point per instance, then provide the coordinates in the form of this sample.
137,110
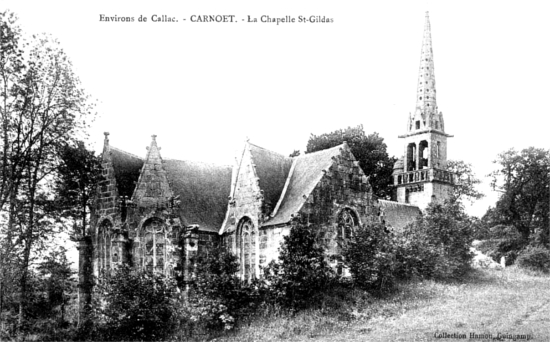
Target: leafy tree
78,174
523,178
370,150
43,106
465,182
11,72
301,273
370,257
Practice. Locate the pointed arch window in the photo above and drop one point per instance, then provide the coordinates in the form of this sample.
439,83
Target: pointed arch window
104,246
246,246
347,222
155,245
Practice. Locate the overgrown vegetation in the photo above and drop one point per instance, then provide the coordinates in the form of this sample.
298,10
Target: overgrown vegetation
370,255
437,245
301,274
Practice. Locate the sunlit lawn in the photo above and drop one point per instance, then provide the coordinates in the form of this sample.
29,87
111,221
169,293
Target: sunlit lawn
487,302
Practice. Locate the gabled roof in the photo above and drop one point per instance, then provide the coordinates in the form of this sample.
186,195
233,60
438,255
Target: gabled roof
127,168
203,191
152,186
272,171
398,215
304,175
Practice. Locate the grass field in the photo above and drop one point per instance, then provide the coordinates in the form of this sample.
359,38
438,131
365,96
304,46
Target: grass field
489,302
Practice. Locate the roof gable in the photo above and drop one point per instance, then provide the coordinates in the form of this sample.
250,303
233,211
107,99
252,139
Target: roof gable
152,186
305,174
272,171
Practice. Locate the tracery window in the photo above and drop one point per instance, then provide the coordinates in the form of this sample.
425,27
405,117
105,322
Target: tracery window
347,221
104,245
246,244
155,241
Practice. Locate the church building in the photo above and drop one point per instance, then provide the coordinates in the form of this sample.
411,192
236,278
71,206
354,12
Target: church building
157,214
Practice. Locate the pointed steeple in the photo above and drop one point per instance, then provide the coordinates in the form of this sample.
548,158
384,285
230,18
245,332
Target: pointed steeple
152,187
426,93
426,115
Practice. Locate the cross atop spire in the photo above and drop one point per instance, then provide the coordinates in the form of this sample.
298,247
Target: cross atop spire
426,93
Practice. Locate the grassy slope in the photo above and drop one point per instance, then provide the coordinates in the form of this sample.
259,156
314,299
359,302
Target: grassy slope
489,301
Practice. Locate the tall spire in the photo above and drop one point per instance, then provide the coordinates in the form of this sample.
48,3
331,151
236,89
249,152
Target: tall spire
426,93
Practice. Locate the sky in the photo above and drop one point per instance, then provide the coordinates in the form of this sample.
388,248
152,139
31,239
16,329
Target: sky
204,88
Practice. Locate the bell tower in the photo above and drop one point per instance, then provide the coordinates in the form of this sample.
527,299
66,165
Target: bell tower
421,176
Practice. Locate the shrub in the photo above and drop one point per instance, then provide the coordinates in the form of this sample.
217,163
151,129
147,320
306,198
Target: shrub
508,248
301,274
370,257
535,258
134,305
219,298
436,245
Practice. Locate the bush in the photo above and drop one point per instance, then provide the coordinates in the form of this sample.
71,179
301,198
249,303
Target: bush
509,249
370,257
535,259
301,274
219,298
134,306
436,245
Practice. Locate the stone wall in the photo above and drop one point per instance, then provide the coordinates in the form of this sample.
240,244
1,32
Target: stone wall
246,203
343,186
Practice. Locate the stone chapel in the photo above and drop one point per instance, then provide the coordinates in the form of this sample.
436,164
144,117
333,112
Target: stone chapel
156,214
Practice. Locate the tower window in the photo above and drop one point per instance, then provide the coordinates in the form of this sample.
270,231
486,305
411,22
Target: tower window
418,122
427,97
420,98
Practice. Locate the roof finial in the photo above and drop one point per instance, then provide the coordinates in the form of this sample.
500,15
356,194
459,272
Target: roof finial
154,136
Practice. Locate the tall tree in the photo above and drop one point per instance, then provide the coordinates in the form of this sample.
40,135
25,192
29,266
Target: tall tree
43,107
370,150
523,179
11,70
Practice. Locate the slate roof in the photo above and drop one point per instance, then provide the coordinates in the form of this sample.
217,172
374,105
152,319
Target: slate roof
127,168
398,215
272,170
203,190
304,175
